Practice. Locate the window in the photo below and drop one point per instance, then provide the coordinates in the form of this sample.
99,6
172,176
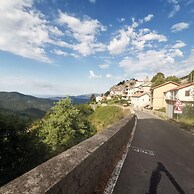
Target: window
187,93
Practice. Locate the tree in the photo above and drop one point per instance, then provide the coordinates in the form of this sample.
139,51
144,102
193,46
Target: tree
20,149
191,77
121,83
158,79
93,98
64,127
107,93
158,75
85,109
173,78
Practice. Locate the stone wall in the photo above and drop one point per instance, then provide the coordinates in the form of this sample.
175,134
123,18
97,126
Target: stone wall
77,170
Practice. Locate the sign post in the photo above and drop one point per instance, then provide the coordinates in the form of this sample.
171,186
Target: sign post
178,108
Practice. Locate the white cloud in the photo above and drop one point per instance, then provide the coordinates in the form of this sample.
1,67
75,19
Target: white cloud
92,75
65,54
179,26
176,8
179,44
175,53
104,66
108,76
92,1
60,52
150,60
148,18
132,38
24,31
121,20
119,44
84,32
181,68
153,36
189,2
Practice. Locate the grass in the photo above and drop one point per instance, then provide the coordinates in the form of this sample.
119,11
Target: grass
105,116
161,110
187,123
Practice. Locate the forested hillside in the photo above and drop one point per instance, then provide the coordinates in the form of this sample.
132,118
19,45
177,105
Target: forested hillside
25,106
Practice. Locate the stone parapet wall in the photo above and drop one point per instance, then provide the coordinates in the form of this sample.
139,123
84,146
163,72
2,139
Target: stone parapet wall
77,170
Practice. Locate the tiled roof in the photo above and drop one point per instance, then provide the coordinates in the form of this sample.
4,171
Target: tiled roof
180,87
138,95
170,82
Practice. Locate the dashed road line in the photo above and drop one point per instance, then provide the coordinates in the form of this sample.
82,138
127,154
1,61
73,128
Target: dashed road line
141,150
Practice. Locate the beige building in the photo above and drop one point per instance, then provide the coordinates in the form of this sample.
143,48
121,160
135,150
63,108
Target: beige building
158,99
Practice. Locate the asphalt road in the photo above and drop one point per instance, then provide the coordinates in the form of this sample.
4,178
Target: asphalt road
160,159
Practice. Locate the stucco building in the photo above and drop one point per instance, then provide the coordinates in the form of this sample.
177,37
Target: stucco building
140,100
158,99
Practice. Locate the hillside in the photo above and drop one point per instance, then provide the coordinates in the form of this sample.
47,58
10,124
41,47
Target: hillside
29,107
25,106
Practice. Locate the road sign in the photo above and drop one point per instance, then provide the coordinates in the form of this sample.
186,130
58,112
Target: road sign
178,107
178,102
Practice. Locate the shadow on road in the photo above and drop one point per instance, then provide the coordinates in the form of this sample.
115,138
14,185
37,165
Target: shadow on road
156,177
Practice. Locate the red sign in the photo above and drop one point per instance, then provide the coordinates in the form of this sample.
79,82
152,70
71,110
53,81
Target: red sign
178,102
178,107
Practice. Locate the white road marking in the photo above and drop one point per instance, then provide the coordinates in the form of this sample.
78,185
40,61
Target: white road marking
140,150
116,172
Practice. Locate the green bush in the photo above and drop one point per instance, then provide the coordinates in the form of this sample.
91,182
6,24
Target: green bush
85,109
65,126
188,111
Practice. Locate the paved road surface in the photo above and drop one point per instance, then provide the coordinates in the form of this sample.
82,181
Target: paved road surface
169,171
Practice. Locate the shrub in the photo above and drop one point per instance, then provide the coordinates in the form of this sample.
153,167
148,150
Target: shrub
65,126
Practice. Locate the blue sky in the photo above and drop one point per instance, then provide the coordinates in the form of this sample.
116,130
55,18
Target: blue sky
71,47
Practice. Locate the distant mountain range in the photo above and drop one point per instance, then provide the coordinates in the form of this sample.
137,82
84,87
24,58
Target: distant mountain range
29,107
81,99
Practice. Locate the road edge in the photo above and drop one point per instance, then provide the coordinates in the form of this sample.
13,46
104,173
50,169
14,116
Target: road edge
116,172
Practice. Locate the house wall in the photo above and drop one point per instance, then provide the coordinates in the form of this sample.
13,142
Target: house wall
158,95
140,102
181,94
146,89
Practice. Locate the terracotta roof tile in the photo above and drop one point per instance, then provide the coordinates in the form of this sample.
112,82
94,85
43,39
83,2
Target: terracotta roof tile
181,86
138,95
169,82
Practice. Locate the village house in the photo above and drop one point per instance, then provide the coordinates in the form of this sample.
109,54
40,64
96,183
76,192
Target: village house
117,90
99,98
129,88
140,100
184,93
158,99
